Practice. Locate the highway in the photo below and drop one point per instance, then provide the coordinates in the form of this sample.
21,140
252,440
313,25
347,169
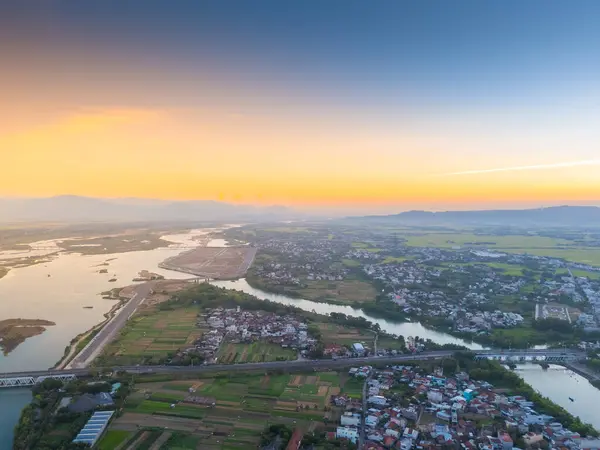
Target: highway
279,365
211,368
110,330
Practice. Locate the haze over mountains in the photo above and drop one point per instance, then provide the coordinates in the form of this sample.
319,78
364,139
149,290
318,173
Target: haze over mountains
576,216
70,208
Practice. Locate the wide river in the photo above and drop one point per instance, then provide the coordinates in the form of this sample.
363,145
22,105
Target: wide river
59,290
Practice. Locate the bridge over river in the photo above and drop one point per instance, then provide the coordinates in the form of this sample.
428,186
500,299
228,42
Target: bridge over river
20,379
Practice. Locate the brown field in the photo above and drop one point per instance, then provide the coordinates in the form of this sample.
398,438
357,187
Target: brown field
213,262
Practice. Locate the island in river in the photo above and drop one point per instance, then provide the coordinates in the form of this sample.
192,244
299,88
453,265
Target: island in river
14,332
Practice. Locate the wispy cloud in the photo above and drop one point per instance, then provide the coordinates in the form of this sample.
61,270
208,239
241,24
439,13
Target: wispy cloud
586,162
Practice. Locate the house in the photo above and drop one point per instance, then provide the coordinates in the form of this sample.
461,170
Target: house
88,402
435,396
358,348
350,419
350,433
295,440
372,420
507,442
532,438
377,400
405,444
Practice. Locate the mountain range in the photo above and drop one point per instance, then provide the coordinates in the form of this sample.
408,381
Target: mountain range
557,216
70,208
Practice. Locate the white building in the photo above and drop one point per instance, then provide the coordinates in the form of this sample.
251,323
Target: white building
435,396
377,400
358,348
350,419
349,433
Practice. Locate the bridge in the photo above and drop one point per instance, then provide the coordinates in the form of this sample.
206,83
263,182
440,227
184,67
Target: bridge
26,381
531,355
514,355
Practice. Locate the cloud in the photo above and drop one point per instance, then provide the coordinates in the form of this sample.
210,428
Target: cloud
586,162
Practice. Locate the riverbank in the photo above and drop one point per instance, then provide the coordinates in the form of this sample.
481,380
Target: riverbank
80,341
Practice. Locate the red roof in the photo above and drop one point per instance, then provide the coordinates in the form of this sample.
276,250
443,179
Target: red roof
295,440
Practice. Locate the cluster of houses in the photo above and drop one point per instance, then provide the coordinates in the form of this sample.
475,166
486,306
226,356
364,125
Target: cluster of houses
412,289
237,326
431,411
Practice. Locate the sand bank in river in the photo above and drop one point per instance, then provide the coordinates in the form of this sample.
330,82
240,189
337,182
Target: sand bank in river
14,332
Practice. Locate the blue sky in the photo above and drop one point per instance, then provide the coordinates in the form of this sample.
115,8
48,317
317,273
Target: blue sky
483,80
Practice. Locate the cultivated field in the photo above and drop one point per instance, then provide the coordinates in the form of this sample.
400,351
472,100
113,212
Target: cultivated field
163,413
230,353
213,262
347,291
147,337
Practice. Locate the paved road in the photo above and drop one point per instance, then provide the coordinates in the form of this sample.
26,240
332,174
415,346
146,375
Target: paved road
307,364
211,368
110,330
361,431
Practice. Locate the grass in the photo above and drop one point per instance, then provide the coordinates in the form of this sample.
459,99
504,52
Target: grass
351,263
448,240
153,336
347,291
112,439
395,259
181,441
507,269
336,334
583,255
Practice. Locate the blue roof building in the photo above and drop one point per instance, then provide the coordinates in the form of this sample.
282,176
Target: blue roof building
94,428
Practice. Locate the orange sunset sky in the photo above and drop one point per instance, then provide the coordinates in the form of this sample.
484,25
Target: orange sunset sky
265,116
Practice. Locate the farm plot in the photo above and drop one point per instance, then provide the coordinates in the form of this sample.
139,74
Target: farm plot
244,404
254,352
335,334
147,338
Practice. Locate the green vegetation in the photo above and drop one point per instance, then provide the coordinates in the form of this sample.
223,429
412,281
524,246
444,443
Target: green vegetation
346,291
113,438
153,335
235,409
254,352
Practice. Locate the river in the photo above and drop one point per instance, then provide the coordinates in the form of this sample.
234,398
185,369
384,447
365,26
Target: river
74,282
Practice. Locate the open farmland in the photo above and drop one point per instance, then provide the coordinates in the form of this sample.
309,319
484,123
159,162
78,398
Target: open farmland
346,291
213,262
243,406
148,337
230,353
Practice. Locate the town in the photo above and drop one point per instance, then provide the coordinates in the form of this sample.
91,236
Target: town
407,408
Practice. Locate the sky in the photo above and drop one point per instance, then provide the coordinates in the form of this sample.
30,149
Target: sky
337,105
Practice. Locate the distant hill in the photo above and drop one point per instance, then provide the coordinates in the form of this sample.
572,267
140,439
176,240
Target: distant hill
575,216
69,208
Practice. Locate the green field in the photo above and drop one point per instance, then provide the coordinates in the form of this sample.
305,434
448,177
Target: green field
590,255
449,240
255,352
533,245
245,404
153,335
113,438
347,291
396,259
